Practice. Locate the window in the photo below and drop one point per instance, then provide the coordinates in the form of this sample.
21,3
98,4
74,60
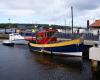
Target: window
39,37
49,34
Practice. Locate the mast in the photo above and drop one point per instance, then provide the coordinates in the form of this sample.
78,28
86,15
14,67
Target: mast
72,18
10,26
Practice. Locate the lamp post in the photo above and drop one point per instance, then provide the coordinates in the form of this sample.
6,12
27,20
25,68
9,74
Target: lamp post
72,18
9,20
10,26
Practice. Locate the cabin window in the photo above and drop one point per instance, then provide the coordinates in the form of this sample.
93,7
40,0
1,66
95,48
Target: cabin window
39,37
50,34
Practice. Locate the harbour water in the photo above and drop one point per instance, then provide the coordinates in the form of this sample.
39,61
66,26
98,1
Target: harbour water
19,63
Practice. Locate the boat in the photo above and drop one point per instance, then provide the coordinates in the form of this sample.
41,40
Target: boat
47,42
15,38
8,43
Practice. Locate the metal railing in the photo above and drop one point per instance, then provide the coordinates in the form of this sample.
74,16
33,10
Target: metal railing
86,36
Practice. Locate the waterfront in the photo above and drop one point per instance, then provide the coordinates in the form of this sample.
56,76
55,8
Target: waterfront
18,63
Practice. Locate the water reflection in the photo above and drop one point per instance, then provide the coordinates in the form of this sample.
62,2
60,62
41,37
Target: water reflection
66,67
96,75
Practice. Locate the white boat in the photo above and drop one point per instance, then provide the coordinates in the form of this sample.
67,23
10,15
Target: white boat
15,38
20,41
8,43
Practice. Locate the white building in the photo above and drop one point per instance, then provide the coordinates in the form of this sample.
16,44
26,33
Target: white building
95,27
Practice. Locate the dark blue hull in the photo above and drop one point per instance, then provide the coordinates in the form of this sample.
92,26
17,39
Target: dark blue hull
70,47
8,44
61,50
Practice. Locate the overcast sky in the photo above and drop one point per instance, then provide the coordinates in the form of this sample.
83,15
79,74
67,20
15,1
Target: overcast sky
49,11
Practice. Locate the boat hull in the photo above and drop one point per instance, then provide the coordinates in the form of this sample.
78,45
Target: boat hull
20,42
75,50
72,47
8,44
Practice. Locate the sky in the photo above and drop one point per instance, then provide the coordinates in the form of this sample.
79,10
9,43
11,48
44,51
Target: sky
49,11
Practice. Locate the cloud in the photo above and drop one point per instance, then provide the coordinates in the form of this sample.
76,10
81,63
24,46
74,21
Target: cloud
51,11
84,4
18,13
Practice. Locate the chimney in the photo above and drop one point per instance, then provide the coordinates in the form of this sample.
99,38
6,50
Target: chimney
88,24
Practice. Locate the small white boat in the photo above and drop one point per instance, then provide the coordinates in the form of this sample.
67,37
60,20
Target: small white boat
15,38
8,43
20,42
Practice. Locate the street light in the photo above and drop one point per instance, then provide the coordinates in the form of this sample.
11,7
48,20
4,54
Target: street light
72,17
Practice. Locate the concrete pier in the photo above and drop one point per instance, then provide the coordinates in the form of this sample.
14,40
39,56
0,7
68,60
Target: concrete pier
94,56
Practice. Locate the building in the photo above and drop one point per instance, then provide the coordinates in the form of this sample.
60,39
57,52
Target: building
95,27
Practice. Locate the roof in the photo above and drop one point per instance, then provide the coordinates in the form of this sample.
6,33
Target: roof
96,24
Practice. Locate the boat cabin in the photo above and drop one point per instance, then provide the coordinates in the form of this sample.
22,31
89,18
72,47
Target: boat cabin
46,36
